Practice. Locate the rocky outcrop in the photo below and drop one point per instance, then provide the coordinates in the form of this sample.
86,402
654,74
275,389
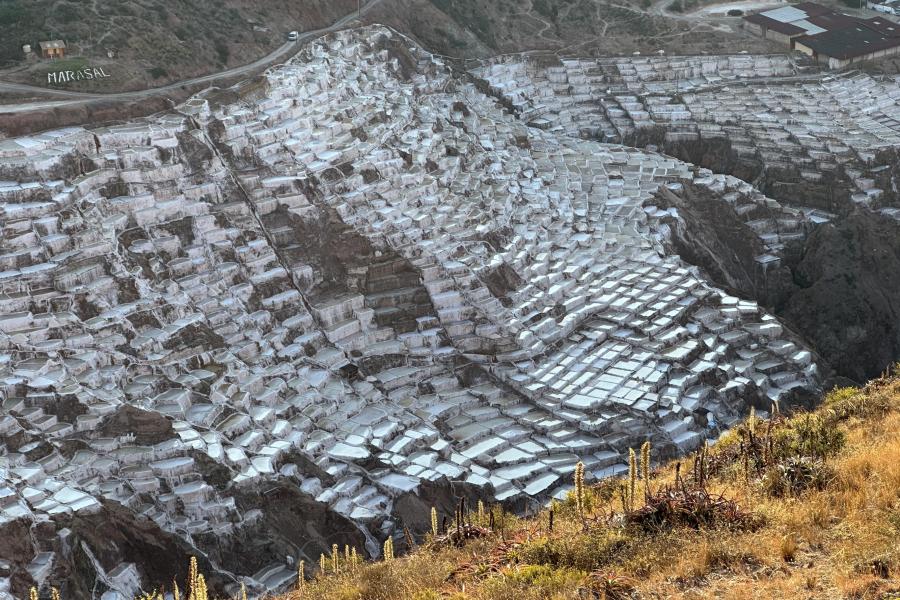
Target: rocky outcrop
709,233
837,287
88,554
146,427
847,299
281,525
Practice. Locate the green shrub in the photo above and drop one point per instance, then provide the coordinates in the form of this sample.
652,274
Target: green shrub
796,475
586,552
532,582
809,436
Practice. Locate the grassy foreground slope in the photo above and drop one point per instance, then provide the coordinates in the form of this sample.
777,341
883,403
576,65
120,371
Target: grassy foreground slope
806,506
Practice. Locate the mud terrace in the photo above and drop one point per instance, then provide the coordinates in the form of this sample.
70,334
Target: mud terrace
365,275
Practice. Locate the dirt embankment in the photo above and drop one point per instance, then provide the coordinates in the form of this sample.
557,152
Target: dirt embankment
16,124
280,522
831,193
710,234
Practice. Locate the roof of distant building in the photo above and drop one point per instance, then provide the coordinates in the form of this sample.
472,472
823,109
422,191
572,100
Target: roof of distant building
832,21
812,8
851,42
52,45
884,26
804,18
828,32
779,26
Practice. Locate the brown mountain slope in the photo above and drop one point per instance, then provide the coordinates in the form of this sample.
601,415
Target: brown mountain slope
475,28
148,43
153,41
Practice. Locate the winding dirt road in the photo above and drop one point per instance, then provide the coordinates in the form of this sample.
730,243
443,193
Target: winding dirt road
77,98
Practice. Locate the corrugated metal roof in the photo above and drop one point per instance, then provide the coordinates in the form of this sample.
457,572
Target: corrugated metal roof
783,28
785,14
849,43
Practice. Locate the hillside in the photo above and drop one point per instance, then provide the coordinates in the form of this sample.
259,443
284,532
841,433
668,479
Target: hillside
784,507
153,42
149,43
477,28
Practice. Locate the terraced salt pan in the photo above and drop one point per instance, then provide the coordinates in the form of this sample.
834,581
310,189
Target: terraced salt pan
524,316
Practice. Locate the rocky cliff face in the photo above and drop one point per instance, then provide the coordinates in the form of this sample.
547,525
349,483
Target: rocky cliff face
89,554
837,287
709,233
847,296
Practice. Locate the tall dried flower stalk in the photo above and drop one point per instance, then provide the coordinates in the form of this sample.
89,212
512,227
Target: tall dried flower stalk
632,477
579,488
645,467
201,593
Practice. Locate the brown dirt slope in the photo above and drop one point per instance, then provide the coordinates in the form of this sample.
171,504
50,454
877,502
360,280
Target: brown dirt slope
155,41
478,28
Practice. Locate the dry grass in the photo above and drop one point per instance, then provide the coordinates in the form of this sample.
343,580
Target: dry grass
719,530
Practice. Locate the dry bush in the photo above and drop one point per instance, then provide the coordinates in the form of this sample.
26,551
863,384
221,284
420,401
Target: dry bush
696,508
